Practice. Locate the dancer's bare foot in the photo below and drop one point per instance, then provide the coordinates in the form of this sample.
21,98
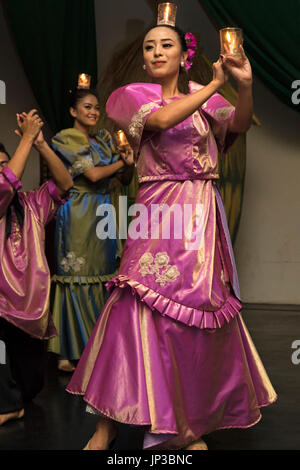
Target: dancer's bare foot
10,416
65,365
105,433
197,445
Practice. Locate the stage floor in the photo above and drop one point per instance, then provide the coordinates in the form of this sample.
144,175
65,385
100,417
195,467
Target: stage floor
57,420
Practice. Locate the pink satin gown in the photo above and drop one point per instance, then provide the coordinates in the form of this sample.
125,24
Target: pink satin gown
24,271
170,351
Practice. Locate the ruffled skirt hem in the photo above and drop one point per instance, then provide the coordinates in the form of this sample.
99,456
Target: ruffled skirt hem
203,319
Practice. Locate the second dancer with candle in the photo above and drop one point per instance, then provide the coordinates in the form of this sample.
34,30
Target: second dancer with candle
170,352
83,261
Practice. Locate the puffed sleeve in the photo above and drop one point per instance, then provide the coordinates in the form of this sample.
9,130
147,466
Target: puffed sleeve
74,150
130,106
9,183
219,112
45,201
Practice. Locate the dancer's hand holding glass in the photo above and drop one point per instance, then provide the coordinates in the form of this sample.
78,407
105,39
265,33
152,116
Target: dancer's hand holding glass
127,154
238,67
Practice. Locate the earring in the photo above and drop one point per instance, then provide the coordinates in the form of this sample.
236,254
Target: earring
182,64
144,67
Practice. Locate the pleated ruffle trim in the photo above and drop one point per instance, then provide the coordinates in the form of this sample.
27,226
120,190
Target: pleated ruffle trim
83,279
188,315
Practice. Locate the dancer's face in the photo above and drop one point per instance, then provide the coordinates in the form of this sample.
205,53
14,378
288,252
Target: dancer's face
162,53
3,160
87,111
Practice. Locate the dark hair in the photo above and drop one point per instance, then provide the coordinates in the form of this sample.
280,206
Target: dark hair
3,150
15,203
181,34
78,94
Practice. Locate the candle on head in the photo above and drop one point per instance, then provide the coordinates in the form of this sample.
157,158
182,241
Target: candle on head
84,80
167,14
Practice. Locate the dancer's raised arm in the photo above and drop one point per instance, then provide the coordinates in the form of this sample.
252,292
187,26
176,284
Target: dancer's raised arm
30,127
173,113
242,73
61,176
57,169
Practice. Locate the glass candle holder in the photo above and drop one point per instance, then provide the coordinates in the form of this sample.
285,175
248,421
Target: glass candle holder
167,14
84,80
121,139
231,39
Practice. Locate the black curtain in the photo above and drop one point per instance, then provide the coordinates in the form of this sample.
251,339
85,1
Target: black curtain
56,40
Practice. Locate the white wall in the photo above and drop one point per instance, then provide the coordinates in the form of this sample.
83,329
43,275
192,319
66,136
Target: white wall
267,248
268,243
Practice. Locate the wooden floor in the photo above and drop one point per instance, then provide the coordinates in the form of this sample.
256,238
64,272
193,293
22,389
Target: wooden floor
57,420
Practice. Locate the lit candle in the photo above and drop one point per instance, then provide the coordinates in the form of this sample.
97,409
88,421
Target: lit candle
231,39
121,139
84,80
167,14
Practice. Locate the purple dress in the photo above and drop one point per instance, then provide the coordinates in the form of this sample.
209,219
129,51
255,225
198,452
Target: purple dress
170,351
24,271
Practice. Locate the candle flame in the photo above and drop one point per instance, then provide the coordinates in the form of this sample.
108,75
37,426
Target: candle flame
231,38
121,137
84,80
167,12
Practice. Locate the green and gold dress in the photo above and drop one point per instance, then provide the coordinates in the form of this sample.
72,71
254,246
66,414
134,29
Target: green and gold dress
84,262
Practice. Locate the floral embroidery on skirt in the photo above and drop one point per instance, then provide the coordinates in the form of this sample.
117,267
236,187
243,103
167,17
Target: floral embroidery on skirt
169,273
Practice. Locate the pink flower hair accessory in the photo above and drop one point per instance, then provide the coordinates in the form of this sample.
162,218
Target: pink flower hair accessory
191,45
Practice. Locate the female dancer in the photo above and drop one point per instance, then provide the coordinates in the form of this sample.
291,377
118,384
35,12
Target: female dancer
24,273
83,261
170,351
